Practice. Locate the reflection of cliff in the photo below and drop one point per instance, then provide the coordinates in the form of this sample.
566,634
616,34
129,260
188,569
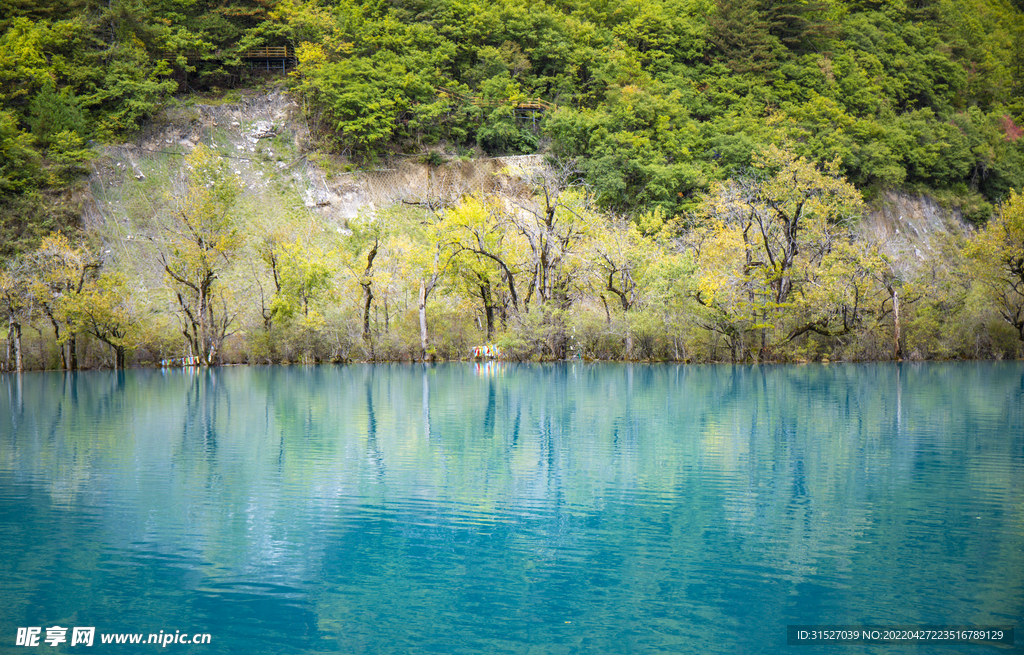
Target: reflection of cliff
815,461
357,501
517,433
795,463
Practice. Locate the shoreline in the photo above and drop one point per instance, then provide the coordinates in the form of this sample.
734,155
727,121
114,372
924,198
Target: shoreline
650,362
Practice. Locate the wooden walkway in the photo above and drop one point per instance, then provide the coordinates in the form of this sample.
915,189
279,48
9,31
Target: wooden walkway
269,52
270,57
531,104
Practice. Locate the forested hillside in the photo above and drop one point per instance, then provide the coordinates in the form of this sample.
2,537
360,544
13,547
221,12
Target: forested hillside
709,162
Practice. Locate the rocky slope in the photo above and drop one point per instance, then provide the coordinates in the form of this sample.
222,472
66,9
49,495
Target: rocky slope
267,143
909,228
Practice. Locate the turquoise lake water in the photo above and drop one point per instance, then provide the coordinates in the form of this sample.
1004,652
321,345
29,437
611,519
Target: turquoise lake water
500,508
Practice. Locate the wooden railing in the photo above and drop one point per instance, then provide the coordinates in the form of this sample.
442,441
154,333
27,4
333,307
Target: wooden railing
266,52
535,104
269,52
530,103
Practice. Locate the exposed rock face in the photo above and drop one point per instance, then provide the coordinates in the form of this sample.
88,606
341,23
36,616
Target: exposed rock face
343,197
262,130
909,228
266,143
254,117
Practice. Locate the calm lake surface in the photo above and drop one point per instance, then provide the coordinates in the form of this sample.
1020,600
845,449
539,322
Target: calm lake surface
461,508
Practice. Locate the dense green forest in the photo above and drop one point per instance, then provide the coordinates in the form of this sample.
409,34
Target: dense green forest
708,164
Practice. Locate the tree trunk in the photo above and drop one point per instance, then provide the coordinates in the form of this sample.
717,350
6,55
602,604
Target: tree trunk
73,353
897,346
487,298
367,285
60,346
14,337
208,323
367,301
489,314
424,339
